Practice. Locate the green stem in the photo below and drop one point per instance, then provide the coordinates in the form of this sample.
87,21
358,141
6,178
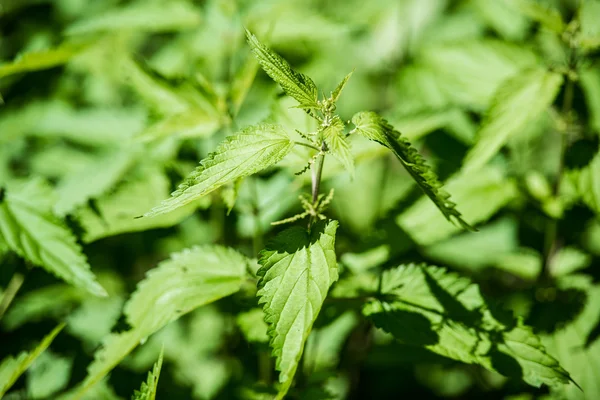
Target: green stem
317,172
310,146
551,242
257,238
265,366
11,291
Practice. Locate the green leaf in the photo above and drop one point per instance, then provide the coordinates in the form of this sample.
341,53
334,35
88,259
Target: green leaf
141,17
590,83
481,194
148,389
589,14
295,84
375,128
297,269
48,374
40,60
504,18
92,181
587,182
338,145
429,307
468,73
254,149
520,100
548,16
30,229
572,346
12,368
253,325
114,213
192,123
186,281
335,95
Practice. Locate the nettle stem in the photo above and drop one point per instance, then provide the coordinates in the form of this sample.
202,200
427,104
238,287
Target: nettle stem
11,291
317,172
551,239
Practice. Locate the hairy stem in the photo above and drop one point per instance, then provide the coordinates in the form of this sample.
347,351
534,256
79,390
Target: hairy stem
11,291
317,172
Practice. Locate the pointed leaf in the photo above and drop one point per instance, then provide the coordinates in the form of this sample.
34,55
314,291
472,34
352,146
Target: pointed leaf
589,14
335,95
338,145
518,102
148,389
30,229
297,270
374,127
12,368
295,84
429,307
40,60
114,213
186,281
254,149
482,193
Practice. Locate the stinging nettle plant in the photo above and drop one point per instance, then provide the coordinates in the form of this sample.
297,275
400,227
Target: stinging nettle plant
421,308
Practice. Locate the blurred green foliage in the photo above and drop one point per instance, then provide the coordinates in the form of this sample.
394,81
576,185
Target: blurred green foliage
108,105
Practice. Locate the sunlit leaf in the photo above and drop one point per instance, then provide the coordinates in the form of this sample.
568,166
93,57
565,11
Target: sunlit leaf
590,83
374,127
587,181
481,194
297,269
186,281
539,11
157,17
338,144
30,229
48,374
252,150
519,101
40,60
295,84
429,307
148,389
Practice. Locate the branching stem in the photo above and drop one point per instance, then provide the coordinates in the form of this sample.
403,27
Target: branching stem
317,172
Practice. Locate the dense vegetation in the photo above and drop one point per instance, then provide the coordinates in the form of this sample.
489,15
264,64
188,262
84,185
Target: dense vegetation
304,199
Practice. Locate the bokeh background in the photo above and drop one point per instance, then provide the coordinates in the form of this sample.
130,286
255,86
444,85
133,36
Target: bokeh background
114,102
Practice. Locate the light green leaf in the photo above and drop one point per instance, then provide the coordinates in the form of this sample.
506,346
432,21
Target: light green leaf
325,345
444,313
295,84
30,229
468,73
192,123
40,60
148,389
50,301
92,181
572,346
504,18
338,145
416,125
254,149
141,17
335,95
115,212
548,16
186,281
297,269
375,128
587,181
481,194
520,100
590,83
48,374
589,15
12,368
253,325
568,260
